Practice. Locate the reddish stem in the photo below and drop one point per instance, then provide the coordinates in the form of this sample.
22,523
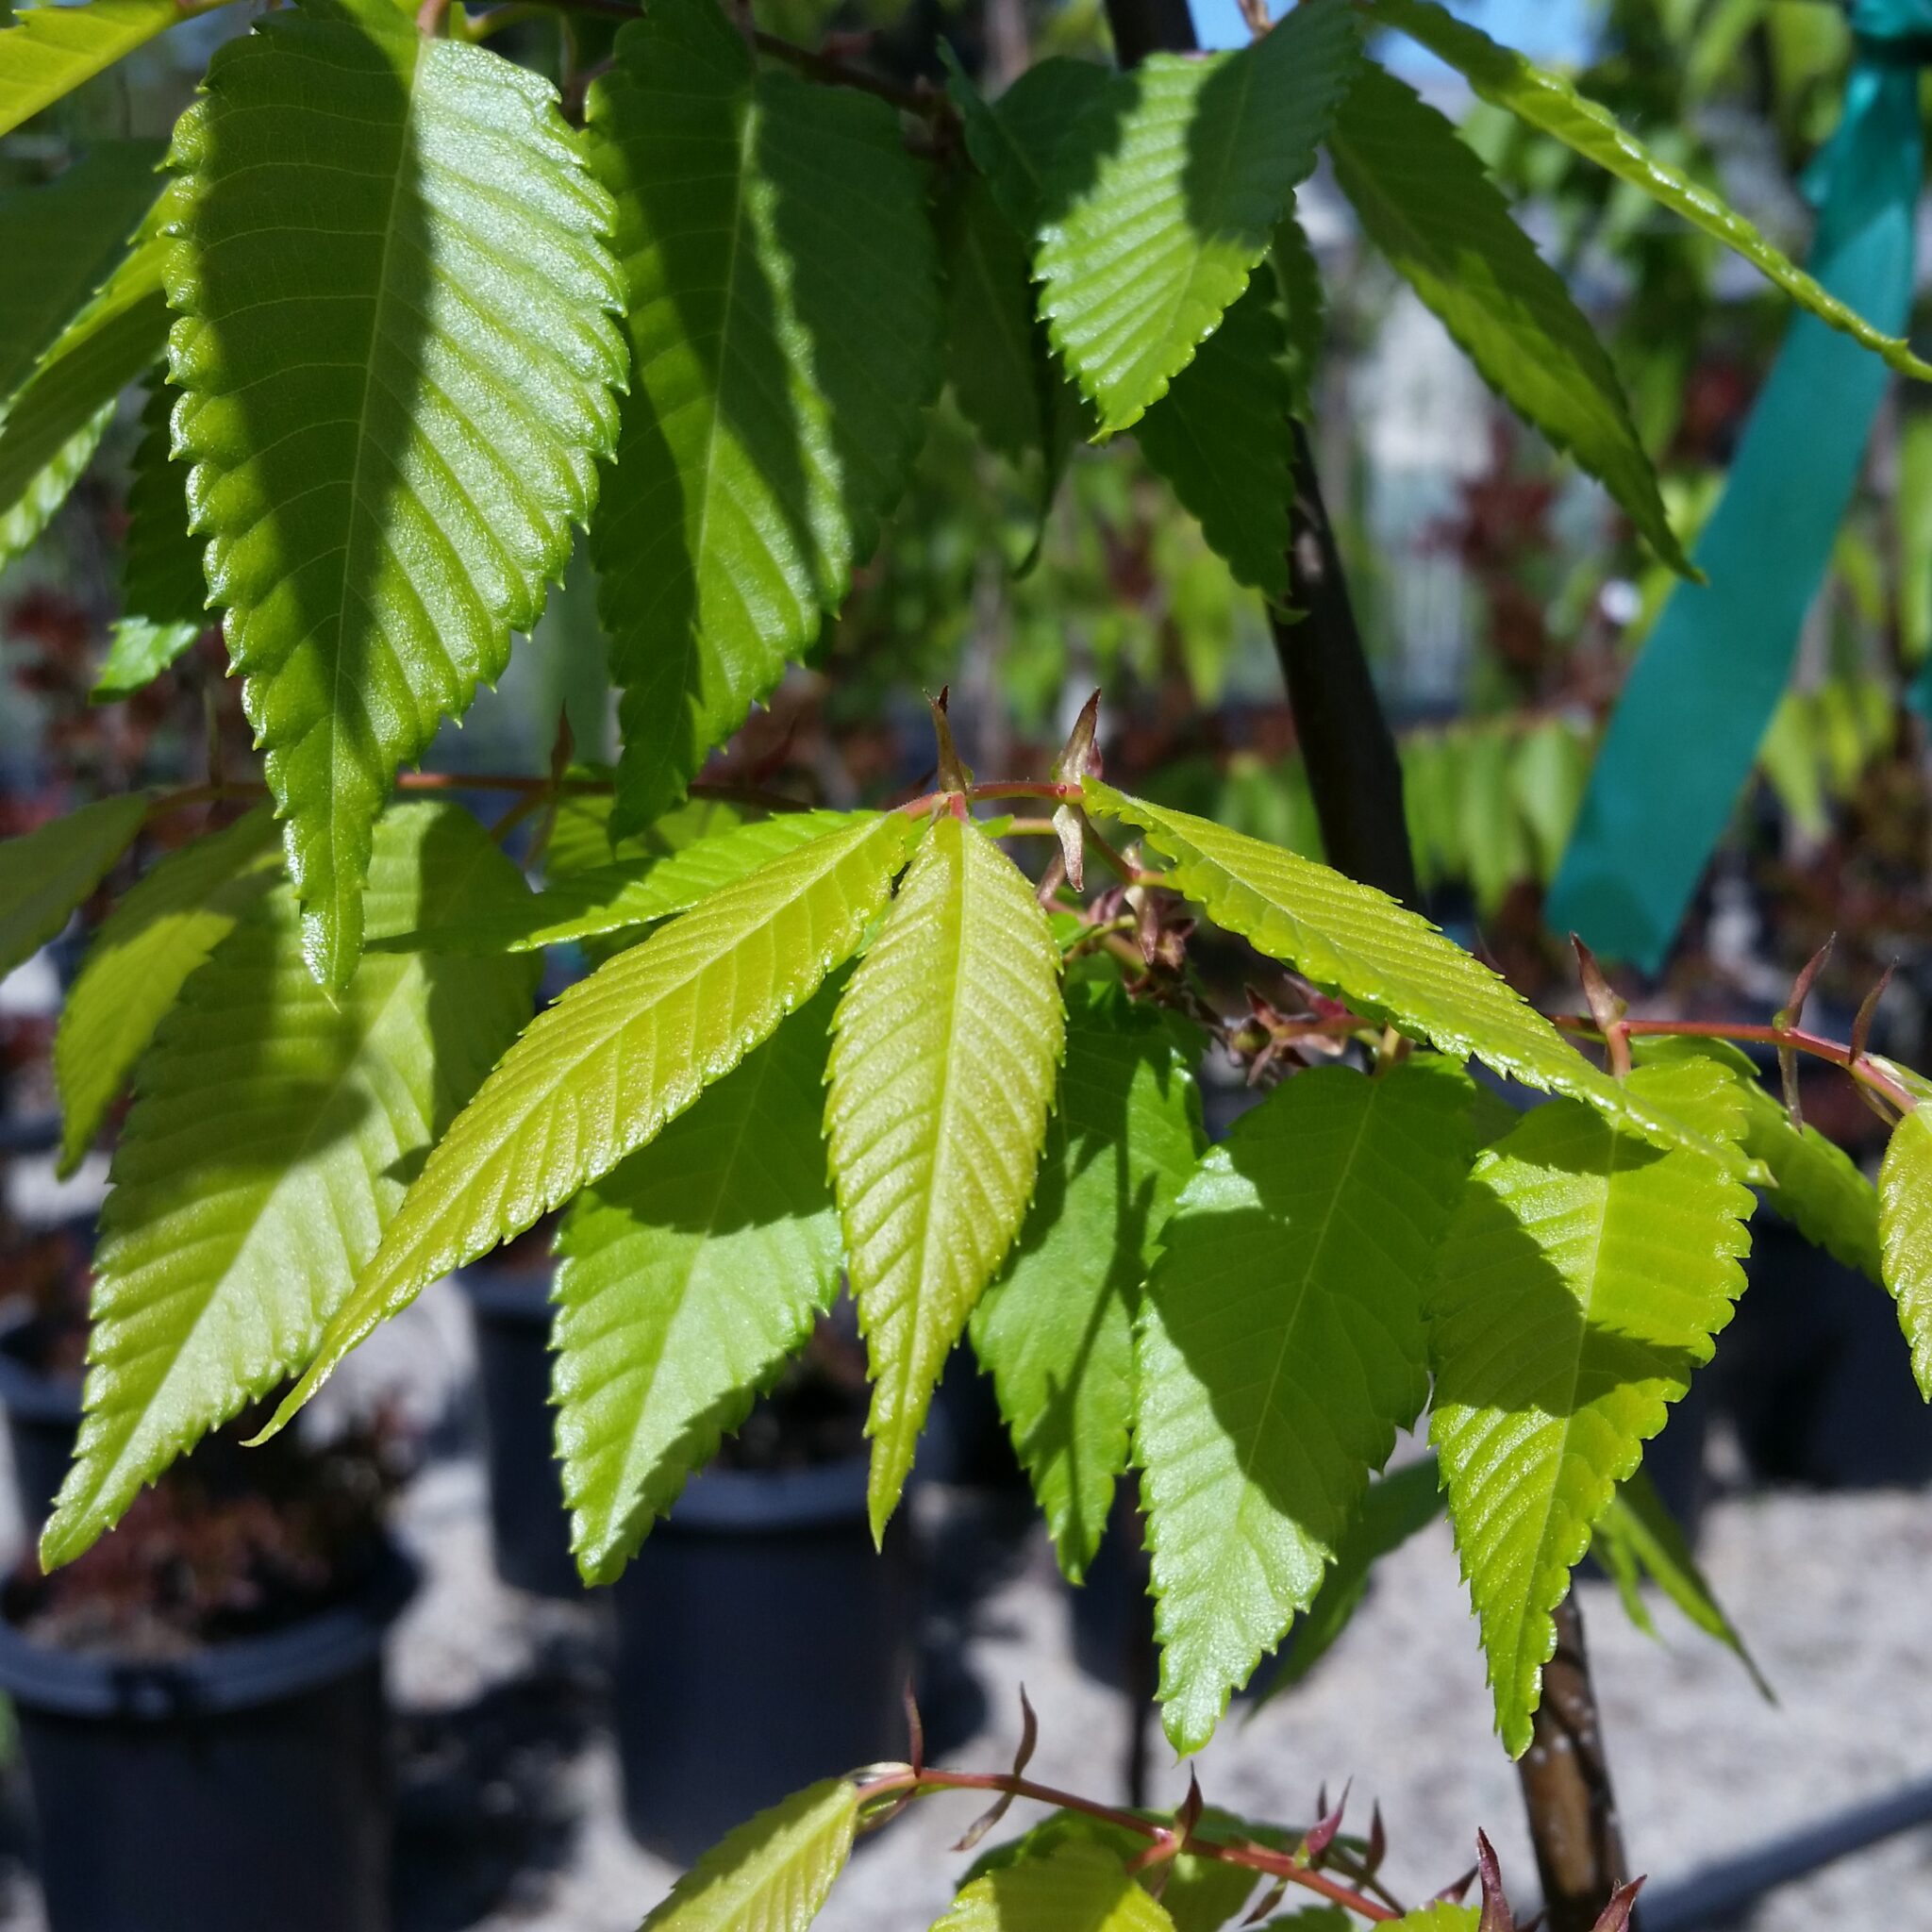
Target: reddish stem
1239,1852
1859,1066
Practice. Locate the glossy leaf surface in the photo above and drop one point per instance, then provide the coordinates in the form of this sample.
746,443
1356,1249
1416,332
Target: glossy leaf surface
688,1276
1386,961
157,936
1580,1284
46,874
945,1050
1281,1347
621,1054
1166,194
1055,1331
770,1874
396,365
782,297
266,1150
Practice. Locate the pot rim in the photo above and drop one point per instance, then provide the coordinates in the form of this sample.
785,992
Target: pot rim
239,1674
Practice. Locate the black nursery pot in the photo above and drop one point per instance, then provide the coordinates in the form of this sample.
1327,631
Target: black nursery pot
240,1786
529,1530
762,1643
43,1419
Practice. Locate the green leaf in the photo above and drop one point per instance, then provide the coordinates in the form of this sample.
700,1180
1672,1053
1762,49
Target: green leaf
1905,1229
392,416
945,1054
141,958
771,1874
1547,776
1220,436
1167,193
266,1150
1076,1887
75,232
1547,102
1440,1916
1003,376
1400,1506
49,50
1495,842
1425,200
1055,1331
1299,278
1198,1894
1386,961
1281,1347
688,1276
1013,143
629,893
620,1056
781,282
55,420
1817,1185
1580,1284
1637,1537
163,594
46,875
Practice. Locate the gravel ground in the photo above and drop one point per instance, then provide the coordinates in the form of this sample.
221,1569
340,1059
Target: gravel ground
508,1778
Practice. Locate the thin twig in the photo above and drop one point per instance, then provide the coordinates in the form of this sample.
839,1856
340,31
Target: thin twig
1239,1852
1862,1067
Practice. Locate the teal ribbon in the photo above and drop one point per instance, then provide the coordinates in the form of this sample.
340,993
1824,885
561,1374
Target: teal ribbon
1701,695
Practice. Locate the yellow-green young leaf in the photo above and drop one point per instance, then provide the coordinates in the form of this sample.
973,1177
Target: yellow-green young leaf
1547,102
48,873
163,594
1400,1506
1817,1186
943,1056
770,1874
688,1276
49,50
73,232
1220,436
1440,1916
57,416
781,286
141,958
1055,1331
1198,1894
1579,1285
1638,1536
1386,961
266,1148
621,1054
1426,203
396,361
1076,1887
1167,191
1281,1347
1905,1227
634,892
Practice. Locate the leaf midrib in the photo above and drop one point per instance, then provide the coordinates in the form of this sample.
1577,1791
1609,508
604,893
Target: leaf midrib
339,833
